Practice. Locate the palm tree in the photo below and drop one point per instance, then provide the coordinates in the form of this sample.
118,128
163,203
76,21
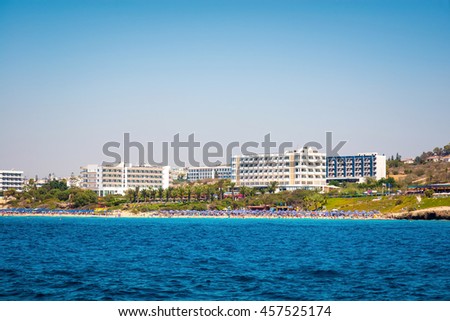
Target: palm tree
144,194
244,190
173,193
231,186
130,195
160,193
272,187
168,193
181,191
221,185
153,193
211,191
198,191
136,194
189,192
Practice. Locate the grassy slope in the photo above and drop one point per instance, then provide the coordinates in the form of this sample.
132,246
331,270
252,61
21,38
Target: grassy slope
390,204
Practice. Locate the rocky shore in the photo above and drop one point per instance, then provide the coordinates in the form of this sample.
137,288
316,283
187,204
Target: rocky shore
435,213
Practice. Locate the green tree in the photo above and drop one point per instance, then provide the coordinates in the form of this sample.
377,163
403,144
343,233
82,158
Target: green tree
429,193
144,194
175,192
56,184
181,192
447,149
272,187
438,151
137,194
189,193
10,193
129,195
153,193
244,190
84,198
168,193
231,187
198,191
251,191
160,193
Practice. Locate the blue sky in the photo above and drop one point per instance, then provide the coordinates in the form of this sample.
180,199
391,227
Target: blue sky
76,74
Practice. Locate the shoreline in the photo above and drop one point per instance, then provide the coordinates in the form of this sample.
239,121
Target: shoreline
438,213
196,217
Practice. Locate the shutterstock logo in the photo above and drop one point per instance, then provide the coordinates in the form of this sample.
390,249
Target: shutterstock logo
211,151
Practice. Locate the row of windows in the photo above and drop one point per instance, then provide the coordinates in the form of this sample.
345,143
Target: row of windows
284,165
338,163
265,177
283,183
297,170
120,176
144,171
276,158
357,174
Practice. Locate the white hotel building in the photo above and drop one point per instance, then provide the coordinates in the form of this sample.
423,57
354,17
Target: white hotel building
300,169
356,168
205,172
118,179
10,179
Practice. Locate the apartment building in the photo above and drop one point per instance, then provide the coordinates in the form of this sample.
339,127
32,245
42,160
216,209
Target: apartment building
118,179
205,172
299,169
356,168
11,179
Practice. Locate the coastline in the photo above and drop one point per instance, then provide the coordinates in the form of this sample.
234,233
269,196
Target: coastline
436,213
440,213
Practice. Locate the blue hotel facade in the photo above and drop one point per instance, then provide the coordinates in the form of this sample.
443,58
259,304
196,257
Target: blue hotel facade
355,168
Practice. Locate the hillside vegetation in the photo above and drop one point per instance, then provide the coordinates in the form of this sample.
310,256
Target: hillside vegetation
427,173
386,204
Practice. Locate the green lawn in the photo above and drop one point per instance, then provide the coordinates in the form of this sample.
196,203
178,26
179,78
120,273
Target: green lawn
434,202
387,204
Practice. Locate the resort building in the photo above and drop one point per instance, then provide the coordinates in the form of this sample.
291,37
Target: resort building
118,179
300,169
178,174
356,168
11,179
433,159
205,172
408,161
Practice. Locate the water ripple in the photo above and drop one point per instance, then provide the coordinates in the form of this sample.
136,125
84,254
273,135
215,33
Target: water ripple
191,259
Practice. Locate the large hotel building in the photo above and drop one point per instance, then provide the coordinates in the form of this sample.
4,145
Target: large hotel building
356,168
118,179
305,169
10,179
300,169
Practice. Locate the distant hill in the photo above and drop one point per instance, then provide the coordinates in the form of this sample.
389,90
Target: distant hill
427,173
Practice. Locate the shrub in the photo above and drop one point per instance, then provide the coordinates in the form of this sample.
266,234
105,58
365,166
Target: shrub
84,197
429,193
420,172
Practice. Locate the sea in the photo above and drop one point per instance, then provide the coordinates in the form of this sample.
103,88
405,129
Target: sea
157,259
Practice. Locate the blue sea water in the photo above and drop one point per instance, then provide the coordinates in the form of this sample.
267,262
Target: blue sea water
51,258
